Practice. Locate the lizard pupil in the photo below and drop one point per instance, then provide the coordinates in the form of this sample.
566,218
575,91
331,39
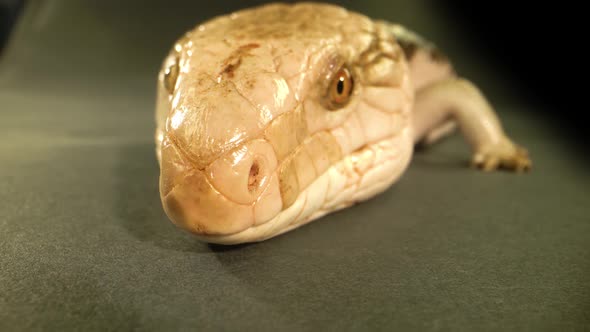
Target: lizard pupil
340,85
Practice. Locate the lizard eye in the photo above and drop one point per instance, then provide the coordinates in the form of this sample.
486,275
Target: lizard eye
170,73
340,88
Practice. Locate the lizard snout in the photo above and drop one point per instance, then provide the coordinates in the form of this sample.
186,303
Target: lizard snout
238,190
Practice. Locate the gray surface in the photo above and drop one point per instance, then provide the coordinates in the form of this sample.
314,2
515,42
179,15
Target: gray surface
85,245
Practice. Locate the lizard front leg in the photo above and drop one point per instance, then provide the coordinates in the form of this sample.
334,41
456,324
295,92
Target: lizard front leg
459,100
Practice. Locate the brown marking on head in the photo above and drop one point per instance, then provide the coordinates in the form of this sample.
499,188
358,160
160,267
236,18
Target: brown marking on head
409,47
230,68
437,55
412,47
234,60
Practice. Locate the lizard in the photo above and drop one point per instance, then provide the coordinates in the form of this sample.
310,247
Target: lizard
274,116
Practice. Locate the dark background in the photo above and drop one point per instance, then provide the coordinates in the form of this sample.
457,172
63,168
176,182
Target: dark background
537,47
9,11
85,245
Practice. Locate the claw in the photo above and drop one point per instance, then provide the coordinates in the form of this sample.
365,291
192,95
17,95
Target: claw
505,156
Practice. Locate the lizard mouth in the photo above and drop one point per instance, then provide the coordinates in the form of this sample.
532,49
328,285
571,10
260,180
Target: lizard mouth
195,204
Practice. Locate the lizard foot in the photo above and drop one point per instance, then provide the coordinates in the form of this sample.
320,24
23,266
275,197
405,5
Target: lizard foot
504,155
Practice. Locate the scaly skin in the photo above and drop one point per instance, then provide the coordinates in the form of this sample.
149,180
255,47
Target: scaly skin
248,146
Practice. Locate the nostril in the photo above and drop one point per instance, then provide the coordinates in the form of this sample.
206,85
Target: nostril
243,174
254,177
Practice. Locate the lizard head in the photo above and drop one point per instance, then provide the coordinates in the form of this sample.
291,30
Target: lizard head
255,107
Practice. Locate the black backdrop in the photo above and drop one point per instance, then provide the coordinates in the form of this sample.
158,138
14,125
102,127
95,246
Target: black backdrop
534,45
540,46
